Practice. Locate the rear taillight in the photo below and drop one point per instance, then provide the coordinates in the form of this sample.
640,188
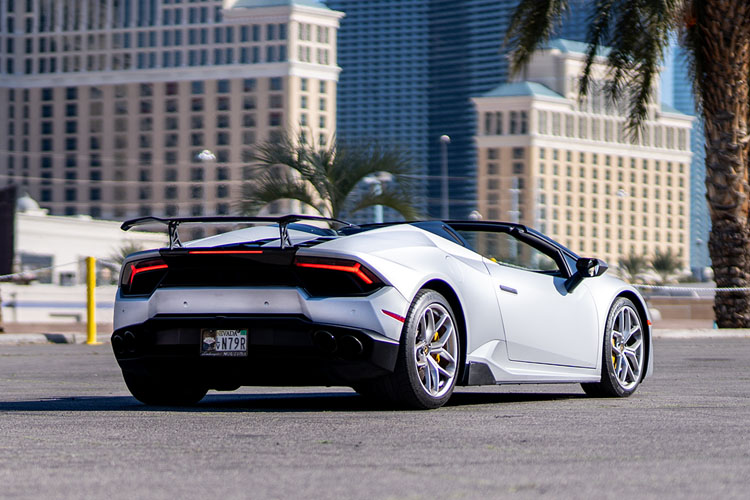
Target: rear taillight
142,277
331,276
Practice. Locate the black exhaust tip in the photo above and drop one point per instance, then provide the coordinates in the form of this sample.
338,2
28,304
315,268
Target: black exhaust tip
128,340
118,344
325,341
350,346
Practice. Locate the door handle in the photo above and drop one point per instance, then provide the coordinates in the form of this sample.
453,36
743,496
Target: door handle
508,289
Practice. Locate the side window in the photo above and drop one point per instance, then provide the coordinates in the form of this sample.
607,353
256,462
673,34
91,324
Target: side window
508,251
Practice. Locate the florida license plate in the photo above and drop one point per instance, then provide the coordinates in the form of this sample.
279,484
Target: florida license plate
223,342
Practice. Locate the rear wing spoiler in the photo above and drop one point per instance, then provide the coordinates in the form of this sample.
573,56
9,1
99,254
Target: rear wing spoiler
173,223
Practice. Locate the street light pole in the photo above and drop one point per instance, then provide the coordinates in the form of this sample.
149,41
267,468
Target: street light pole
444,141
377,180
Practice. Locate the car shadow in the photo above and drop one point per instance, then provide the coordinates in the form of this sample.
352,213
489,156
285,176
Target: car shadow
268,403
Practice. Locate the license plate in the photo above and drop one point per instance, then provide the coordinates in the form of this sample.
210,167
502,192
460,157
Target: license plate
223,342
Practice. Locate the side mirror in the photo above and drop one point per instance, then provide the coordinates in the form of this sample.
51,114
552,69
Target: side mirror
590,267
586,267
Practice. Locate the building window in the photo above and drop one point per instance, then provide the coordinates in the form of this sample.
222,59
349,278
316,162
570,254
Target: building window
196,174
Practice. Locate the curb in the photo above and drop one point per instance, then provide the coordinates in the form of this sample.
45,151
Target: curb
702,333
42,338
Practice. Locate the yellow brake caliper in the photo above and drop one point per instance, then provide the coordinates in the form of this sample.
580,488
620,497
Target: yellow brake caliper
613,358
437,357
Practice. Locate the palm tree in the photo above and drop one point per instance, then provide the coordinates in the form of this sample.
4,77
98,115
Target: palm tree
716,35
328,179
633,266
665,265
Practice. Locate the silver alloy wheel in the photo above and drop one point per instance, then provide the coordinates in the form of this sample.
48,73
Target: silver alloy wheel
436,350
627,347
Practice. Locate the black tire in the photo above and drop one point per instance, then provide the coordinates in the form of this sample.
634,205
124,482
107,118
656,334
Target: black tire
164,392
407,385
619,379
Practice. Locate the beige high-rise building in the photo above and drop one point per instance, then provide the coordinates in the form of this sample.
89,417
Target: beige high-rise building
571,170
120,108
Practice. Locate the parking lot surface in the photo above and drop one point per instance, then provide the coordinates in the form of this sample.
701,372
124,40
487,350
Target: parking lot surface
69,429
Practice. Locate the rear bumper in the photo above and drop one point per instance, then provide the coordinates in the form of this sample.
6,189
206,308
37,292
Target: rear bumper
282,350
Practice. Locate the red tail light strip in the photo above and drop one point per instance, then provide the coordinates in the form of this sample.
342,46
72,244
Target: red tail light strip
216,252
394,315
354,269
135,270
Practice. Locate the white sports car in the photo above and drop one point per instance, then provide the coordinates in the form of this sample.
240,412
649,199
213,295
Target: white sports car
402,312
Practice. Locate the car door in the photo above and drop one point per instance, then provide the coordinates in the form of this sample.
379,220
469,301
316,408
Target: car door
543,322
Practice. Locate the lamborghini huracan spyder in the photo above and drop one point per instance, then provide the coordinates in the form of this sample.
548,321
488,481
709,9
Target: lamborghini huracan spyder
402,312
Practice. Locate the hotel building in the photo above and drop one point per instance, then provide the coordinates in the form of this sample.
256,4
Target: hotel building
107,105
570,168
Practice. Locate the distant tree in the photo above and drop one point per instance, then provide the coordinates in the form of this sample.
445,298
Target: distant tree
665,265
328,179
633,267
120,253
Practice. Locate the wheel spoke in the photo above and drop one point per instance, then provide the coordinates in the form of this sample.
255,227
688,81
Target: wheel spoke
438,369
430,324
443,338
634,361
422,328
637,341
441,322
629,370
432,367
621,368
444,355
627,325
427,376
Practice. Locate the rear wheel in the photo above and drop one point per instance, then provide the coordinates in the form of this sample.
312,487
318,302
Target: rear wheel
427,363
624,353
164,392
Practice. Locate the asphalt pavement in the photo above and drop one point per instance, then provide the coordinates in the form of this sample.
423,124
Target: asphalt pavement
69,429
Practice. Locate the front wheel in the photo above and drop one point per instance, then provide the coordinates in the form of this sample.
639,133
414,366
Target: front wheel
428,357
623,354
164,392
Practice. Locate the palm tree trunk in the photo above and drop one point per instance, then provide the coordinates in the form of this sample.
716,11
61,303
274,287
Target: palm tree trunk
725,98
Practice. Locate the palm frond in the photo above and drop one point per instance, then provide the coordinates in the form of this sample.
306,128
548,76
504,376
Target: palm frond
327,179
279,184
598,32
637,32
531,25
393,197
353,165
